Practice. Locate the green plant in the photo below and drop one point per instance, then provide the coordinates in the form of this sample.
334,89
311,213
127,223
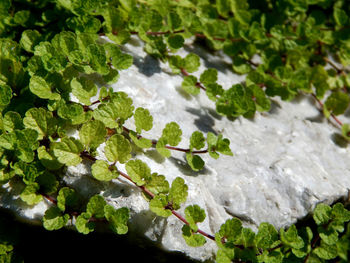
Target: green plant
50,50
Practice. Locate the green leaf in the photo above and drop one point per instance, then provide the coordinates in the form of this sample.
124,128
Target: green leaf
5,94
12,121
157,184
195,161
140,142
123,105
247,238
122,61
53,219
340,213
218,144
225,255
29,194
209,76
223,7
83,223
189,84
66,198
118,149
240,66
42,89
138,171
307,236
325,251
87,24
26,143
267,236
113,19
214,91
172,133
191,63
30,38
28,172
328,235
97,56
120,106
174,20
197,140
83,89
291,238
102,171
107,113
193,240
95,206
322,214
117,218
47,159
319,77
345,130
78,57
178,192
194,214
86,39
68,151
261,101
73,112
41,121
337,103
160,147
93,133
48,183
64,42
158,204
340,16
176,41
176,63
271,257
230,230
128,5
21,17
212,141
112,77
143,120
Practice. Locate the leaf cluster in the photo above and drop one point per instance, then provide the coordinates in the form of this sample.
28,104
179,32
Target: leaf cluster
56,71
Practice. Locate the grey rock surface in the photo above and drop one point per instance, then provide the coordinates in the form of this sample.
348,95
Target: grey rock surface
285,161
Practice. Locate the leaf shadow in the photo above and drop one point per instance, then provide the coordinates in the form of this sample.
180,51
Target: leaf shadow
339,140
147,65
275,107
185,169
203,122
154,155
212,59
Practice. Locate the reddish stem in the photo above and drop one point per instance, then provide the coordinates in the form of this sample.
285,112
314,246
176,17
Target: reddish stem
154,142
198,84
159,33
186,222
332,115
50,198
150,194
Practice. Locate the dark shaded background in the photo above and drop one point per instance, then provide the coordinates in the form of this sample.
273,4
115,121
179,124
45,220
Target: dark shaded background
35,244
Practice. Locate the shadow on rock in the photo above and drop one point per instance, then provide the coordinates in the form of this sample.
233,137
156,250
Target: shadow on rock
147,65
204,122
339,140
185,169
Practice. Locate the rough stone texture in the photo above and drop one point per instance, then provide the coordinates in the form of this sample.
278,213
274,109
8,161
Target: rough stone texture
285,161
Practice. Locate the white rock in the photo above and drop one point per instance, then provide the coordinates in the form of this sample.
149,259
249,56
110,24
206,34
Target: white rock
285,161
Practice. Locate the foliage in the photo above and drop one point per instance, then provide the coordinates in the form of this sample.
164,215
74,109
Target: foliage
52,50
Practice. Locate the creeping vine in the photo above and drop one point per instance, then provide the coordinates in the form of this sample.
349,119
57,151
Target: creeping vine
54,50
